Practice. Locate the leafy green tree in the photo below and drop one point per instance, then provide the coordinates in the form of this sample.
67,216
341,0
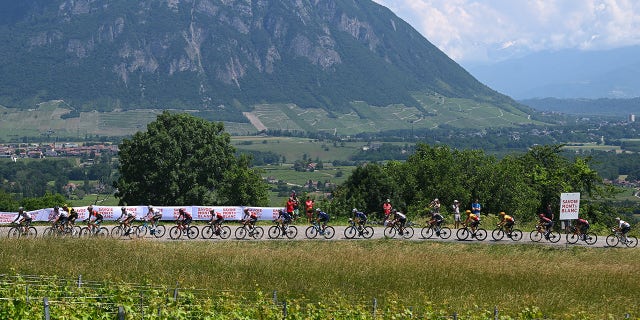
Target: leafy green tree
7,203
184,160
49,200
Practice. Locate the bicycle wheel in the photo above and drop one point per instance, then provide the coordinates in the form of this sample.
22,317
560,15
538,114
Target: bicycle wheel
462,234
516,235
291,232
273,232
207,232
367,232
535,236
389,232
350,232
572,238
426,232
76,231
481,234
175,233
554,236
192,232
225,232
116,231
141,231
632,241
47,232
328,232
311,232
497,234
408,232
444,233
258,232
591,238
32,233
241,232
14,232
159,231
102,232
612,240
85,232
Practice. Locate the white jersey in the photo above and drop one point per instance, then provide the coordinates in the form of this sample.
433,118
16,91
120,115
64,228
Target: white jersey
623,224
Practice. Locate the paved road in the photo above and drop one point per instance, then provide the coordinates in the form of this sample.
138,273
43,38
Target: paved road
340,236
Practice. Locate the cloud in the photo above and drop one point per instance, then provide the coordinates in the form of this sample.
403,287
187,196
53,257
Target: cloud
485,30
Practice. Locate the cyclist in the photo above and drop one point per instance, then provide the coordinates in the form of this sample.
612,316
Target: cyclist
472,221
154,216
361,217
547,224
73,215
25,219
95,217
308,206
184,218
61,219
436,220
323,218
623,227
583,226
400,219
130,216
219,218
507,221
250,218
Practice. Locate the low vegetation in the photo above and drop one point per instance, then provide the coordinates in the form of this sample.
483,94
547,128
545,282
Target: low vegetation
322,279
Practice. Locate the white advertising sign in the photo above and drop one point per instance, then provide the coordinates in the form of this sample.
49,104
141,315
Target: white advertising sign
569,206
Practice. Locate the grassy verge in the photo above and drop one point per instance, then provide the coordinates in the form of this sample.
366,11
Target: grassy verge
464,278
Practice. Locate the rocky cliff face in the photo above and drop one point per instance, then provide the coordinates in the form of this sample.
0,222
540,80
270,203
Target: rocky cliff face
204,53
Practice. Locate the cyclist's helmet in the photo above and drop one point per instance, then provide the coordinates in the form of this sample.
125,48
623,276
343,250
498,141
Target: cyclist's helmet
502,213
90,208
388,200
21,209
354,210
317,209
468,212
56,208
541,215
618,219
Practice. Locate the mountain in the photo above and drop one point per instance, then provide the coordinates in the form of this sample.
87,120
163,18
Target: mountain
225,57
566,74
617,108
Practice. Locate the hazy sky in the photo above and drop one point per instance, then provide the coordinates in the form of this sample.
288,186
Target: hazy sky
490,30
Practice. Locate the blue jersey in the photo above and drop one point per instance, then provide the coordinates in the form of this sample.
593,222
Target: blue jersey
323,216
360,215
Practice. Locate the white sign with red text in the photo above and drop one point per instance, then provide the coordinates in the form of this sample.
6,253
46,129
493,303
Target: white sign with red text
569,206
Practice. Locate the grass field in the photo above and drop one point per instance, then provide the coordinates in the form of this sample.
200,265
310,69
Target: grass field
522,281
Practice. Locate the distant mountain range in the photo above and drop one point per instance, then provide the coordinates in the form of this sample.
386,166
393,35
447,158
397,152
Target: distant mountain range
566,74
225,58
620,108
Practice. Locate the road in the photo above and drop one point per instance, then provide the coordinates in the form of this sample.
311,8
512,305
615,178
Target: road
340,236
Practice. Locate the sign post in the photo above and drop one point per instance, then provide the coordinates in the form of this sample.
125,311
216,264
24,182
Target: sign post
569,206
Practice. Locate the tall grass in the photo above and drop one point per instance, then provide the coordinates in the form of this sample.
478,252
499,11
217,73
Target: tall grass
561,283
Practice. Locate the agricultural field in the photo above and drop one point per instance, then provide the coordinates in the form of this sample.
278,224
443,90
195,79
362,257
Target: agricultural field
371,279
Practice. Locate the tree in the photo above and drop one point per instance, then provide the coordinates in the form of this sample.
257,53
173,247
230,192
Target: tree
184,160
